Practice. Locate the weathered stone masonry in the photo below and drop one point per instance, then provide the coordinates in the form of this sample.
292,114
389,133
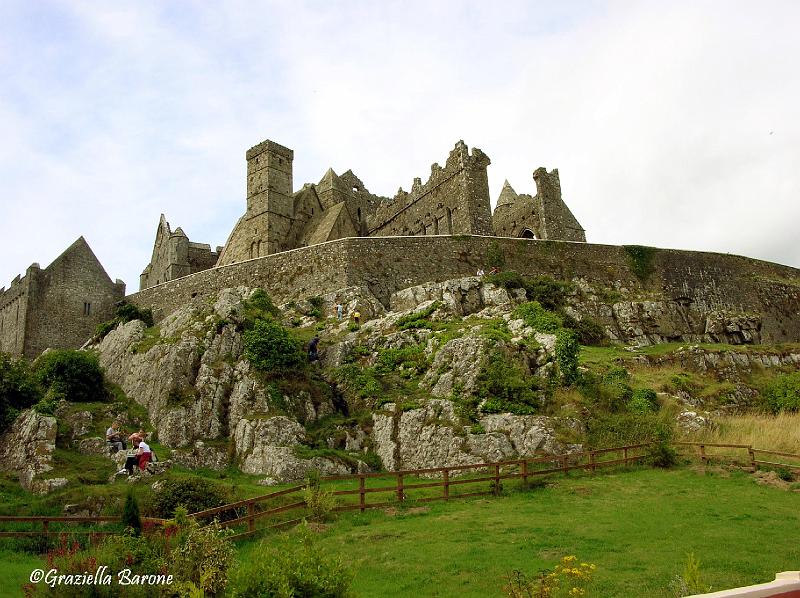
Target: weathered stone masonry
692,280
58,307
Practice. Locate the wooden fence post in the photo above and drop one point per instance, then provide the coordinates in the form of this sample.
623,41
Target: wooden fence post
251,517
753,464
446,483
564,467
400,496
625,455
45,526
592,464
525,472
497,480
703,457
362,502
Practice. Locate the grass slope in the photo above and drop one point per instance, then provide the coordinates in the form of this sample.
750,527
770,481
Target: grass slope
636,526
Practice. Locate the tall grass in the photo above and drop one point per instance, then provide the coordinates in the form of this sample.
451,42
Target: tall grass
779,432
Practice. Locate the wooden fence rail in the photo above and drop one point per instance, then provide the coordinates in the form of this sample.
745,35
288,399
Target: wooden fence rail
450,479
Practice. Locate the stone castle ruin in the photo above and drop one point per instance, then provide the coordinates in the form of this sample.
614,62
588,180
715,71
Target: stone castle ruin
335,238
453,201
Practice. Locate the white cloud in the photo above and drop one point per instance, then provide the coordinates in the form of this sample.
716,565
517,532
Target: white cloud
671,124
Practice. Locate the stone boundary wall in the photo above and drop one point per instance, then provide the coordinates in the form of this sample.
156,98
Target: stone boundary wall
710,281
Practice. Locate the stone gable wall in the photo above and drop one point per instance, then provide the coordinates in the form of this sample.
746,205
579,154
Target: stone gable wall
13,314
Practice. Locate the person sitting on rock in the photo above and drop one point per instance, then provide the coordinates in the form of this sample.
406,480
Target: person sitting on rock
132,457
144,455
114,438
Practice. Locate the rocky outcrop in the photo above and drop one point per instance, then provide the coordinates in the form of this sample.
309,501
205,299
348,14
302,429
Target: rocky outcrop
456,365
266,447
433,436
27,449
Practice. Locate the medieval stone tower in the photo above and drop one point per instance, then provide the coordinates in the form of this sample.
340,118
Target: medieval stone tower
265,226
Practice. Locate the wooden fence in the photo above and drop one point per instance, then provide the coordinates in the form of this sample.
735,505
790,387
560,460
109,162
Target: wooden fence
353,492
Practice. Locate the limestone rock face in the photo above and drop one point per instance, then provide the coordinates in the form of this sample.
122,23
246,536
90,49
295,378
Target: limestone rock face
27,449
456,364
265,447
461,296
202,455
431,436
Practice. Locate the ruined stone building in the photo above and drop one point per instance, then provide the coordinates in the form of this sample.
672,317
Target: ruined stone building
58,307
174,255
453,201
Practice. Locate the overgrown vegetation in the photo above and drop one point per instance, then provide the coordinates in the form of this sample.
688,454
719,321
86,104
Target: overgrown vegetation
127,312
18,388
641,260
72,375
504,386
271,347
193,493
782,394
418,319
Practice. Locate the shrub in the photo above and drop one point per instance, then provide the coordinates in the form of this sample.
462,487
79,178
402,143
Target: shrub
126,312
130,514
567,350
318,501
537,317
783,393
609,392
547,291
296,566
509,280
73,375
568,578
195,494
203,557
18,388
505,387
662,455
360,381
691,582
269,346
643,400
586,330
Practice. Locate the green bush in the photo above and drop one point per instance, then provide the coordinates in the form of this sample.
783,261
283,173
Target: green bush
567,350
586,330
783,393
609,392
537,317
362,382
509,279
550,293
643,400
259,306
195,494
127,312
295,565
269,346
18,388
202,558
320,502
73,375
661,454
503,386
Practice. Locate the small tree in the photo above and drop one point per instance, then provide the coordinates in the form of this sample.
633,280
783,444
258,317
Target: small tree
567,350
130,514
269,346
73,375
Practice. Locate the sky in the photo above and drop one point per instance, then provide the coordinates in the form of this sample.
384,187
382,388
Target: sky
673,124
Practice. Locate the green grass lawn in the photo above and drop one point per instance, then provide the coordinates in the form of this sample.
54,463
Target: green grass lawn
15,570
636,526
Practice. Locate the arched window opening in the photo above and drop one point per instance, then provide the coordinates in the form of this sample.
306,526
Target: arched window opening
527,234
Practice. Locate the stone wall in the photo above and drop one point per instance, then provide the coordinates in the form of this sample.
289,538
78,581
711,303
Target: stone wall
694,280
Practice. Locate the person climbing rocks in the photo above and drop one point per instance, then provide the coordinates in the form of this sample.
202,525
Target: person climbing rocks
357,317
339,310
312,350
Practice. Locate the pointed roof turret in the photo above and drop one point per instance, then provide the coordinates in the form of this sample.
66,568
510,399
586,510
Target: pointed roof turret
507,196
330,180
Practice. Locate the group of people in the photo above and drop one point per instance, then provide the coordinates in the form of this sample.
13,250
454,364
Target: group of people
340,313
138,455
